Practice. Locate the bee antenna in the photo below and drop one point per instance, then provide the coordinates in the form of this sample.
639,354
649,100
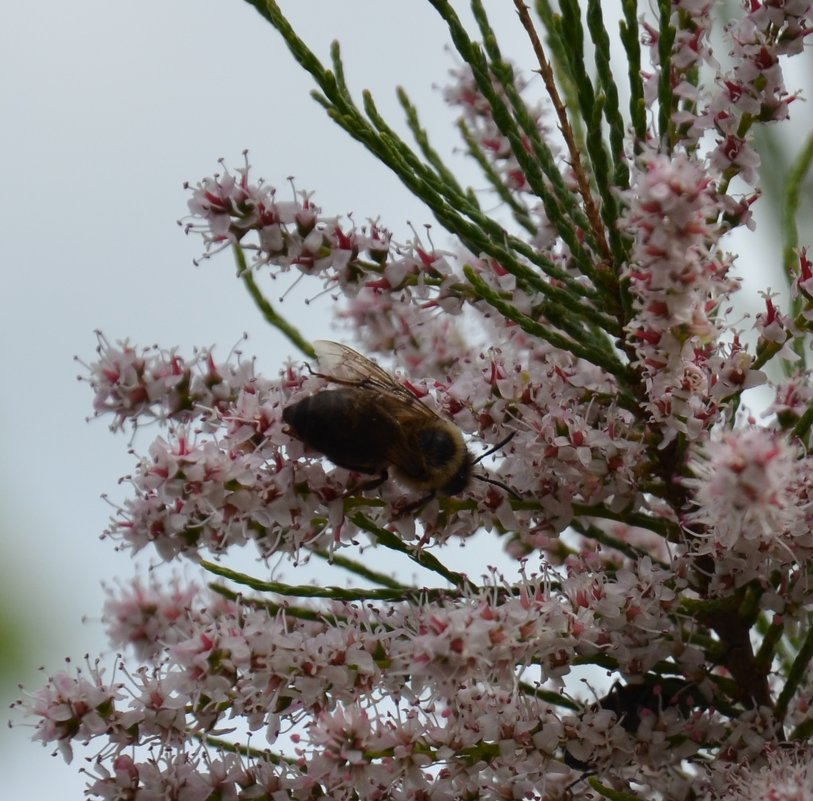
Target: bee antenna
501,444
499,484
495,448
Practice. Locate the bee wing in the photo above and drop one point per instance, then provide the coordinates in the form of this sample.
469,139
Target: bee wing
344,365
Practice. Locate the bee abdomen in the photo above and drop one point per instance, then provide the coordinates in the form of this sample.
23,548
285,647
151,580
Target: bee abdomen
345,428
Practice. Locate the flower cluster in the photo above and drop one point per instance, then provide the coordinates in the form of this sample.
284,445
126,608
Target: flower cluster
679,280
752,491
239,476
229,208
751,90
136,385
779,774
443,671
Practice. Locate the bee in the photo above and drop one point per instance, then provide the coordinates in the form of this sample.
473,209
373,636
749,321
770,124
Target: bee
372,424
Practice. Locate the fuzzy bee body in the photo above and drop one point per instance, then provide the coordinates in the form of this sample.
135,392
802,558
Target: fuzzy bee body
372,424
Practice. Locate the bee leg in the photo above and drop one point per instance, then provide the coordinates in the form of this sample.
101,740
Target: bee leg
373,483
415,506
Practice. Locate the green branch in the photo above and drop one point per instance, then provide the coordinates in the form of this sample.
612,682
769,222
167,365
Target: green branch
519,210
665,95
798,672
595,355
361,570
267,310
790,208
422,139
421,557
630,38
349,594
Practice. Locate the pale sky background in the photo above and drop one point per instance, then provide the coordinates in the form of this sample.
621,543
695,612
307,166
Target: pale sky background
108,107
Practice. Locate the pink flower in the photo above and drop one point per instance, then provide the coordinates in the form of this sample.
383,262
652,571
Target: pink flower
751,492
72,709
782,774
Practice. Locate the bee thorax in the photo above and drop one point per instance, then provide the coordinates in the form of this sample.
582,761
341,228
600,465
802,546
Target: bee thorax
444,464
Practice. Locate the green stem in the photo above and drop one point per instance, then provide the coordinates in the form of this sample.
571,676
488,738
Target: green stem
422,139
802,427
354,566
790,203
797,673
260,754
273,609
665,95
790,207
596,534
519,210
609,792
581,350
421,557
267,310
767,648
515,122
632,47
549,696
663,528
346,594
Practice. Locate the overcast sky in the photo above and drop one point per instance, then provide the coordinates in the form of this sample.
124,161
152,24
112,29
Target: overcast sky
108,107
